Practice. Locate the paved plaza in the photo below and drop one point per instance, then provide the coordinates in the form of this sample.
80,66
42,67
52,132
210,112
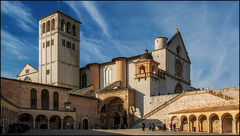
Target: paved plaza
109,132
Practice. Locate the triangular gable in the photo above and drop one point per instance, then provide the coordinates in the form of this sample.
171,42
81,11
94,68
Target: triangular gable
27,66
174,42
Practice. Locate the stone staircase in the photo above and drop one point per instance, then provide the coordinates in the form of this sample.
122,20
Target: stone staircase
158,108
220,95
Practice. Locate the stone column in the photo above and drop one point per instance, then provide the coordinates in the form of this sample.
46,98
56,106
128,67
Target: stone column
34,124
209,123
197,127
188,126
61,123
234,126
48,124
221,126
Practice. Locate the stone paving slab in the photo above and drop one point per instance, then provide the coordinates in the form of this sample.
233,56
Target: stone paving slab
109,132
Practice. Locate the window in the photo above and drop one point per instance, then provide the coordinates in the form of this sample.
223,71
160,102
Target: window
178,50
27,71
73,46
107,76
84,80
53,24
63,42
48,44
178,88
48,26
43,45
33,98
45,99
47,72
55,101
63,25
68,28
43,28
68,44
73,30
52,42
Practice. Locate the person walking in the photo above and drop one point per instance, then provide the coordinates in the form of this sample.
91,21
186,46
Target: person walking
153,127
150,126
170,126
143,126
164,127
174,127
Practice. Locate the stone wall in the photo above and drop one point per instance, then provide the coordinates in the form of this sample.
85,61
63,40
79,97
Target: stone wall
190,101
18,92
85,107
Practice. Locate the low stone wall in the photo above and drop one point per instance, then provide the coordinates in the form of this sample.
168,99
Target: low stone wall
232,92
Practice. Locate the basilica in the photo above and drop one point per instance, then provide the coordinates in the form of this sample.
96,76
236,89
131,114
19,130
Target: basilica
152,87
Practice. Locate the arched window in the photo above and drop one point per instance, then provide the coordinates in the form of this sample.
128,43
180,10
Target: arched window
107,76
43,28
33,98
45,99
73,30
48,26
68,28
63,25
53,24
178,50
55,101
142,69
84,80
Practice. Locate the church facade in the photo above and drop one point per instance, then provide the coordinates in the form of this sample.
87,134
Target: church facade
152,87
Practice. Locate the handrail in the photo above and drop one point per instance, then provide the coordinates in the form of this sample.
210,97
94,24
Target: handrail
224,96
159,108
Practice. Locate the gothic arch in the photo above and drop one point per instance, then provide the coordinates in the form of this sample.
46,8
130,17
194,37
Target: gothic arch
53,24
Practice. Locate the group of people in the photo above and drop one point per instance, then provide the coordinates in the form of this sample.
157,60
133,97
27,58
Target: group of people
152,126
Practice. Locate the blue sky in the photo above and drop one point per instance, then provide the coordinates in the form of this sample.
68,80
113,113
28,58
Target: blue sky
109,29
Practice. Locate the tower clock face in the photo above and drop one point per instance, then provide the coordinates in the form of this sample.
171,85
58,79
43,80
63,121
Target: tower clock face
178,67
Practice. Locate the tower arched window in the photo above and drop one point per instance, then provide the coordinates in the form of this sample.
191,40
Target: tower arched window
108,76
84,80
63,25
33,98
45,99
48,26
43,28
74,30
53,24
55,100
68,28
141,69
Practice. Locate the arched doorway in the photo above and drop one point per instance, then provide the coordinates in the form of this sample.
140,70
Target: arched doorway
203,123
55,122
68,122
227,123
26,119
193,123
85,124
175,120
41,122
116,119
178,88
214,123
184,123
124,117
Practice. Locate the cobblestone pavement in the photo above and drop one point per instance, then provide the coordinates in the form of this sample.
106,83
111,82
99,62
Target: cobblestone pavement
109,132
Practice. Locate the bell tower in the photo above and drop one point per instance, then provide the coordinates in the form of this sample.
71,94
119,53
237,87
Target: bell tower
59,37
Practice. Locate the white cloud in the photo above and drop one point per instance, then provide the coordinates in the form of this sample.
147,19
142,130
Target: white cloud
19,13
96,15
15,46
